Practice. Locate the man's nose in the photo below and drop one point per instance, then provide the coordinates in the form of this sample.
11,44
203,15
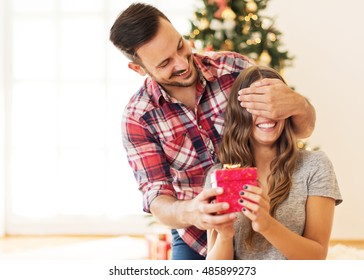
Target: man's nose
181,62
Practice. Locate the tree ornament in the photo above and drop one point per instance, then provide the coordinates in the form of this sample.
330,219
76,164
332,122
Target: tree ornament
266,23
228,14
243,45
228,45
264,58
221,4
218,26
251,6
229,26
246,28
272,37
203,24
256,38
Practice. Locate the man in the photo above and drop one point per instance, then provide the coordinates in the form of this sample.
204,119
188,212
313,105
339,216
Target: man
172,126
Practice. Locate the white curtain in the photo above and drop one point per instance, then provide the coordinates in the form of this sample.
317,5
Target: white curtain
66,86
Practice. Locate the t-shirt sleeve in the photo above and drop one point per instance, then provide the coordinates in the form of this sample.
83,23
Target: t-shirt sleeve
322,180
207,184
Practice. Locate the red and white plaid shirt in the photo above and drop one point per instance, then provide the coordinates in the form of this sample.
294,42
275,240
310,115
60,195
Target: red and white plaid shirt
169,146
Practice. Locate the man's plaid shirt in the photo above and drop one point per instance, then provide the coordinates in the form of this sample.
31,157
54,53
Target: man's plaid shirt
169,146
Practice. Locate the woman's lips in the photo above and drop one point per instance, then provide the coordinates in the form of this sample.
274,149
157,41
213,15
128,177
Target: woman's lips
266,125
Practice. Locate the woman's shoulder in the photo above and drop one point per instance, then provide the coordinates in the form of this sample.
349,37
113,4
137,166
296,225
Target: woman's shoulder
309,157
316,171
310,162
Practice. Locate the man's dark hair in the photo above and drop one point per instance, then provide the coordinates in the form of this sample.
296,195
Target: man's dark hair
135,26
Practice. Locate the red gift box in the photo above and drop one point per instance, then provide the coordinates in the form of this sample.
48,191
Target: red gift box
159,247
233,181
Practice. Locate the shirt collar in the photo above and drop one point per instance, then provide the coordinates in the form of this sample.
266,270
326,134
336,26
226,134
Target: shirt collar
202,63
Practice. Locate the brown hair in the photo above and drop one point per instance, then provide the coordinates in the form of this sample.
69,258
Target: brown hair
134,27
235,146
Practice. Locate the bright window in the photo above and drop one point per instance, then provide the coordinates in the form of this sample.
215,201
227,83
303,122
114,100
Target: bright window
66,88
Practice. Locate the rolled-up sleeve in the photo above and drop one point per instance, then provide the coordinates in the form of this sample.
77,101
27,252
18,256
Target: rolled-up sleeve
147,160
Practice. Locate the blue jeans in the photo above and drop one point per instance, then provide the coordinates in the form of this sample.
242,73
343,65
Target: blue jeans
181,251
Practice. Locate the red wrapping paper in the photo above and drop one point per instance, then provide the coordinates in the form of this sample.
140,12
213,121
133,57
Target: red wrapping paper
233,181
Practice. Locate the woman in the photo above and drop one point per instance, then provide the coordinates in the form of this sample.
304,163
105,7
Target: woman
290,214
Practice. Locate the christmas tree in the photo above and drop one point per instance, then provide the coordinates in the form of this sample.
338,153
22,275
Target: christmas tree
237,25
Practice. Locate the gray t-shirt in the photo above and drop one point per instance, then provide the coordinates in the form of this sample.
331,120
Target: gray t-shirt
314,176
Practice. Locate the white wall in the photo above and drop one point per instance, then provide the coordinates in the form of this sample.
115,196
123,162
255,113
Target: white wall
327,38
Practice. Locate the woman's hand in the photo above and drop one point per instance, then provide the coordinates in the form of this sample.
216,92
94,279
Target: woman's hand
226,231
256,205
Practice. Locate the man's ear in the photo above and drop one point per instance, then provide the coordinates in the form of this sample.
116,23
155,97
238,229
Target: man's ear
137,68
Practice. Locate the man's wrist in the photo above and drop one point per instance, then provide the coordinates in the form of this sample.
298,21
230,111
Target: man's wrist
170,211
304,106
301,105
184,213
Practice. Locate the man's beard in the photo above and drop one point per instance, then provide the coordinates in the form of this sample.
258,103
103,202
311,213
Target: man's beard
176,83
180,84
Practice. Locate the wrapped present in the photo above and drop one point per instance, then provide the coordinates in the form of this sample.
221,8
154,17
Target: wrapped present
232,179
159,247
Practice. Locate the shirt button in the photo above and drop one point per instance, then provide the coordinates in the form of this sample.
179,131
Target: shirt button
200,127
212,152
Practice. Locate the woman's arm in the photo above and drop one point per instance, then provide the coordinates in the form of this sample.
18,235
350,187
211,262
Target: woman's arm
315,240
220,243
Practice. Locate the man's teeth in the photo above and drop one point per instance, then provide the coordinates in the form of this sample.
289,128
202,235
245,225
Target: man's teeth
181,73
266,125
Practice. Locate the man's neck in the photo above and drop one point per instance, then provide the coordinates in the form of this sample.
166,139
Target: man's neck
186,95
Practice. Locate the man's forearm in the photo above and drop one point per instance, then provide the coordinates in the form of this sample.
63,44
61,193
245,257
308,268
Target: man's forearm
171,212
305,119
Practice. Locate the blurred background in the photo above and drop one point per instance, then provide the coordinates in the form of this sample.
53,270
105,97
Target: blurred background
63,169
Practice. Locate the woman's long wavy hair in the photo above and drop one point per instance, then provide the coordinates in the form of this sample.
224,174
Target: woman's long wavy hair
236,148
